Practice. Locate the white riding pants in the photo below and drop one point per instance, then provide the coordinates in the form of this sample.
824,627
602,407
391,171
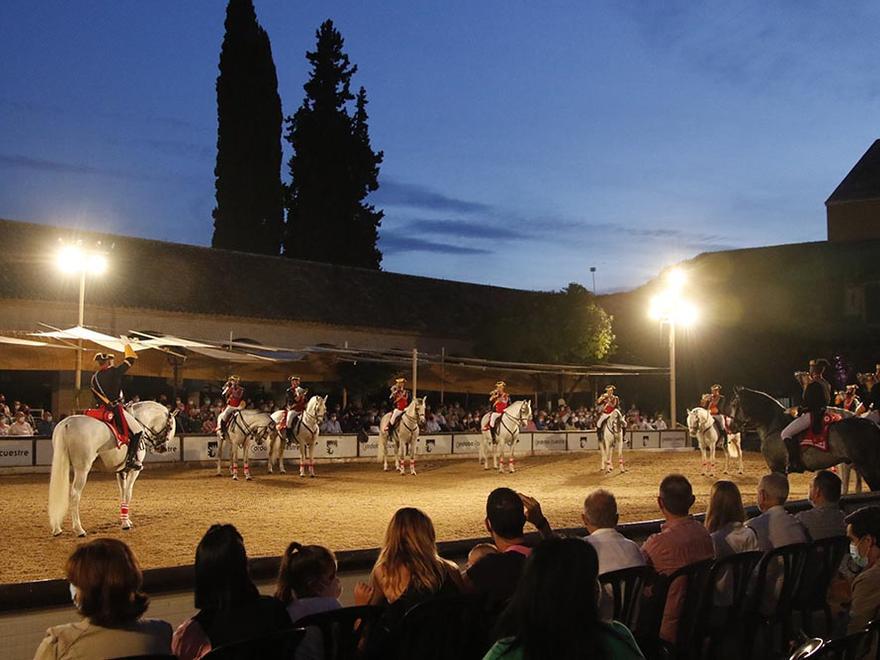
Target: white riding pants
493,418
797,425
291,418
223,416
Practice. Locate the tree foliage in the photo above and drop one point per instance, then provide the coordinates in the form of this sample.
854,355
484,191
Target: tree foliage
333,168
249,213
563,327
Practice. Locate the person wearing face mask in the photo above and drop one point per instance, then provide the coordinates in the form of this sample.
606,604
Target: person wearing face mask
863,530
308,584
105,587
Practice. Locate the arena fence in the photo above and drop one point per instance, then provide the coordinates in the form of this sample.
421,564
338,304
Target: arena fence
184,448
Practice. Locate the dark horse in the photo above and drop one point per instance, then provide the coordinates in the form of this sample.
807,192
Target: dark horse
852,440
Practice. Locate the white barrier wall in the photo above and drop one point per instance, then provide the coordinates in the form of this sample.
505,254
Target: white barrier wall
23,452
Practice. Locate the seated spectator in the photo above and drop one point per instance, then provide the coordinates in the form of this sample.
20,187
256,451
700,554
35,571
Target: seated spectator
20,426
479,551
45,425
230,607
541,421
660,423
331,426
497,575
600,517
725,516
308,584
775,527
4,426
431,425
863,530
825,519
561,576
681,541
105,586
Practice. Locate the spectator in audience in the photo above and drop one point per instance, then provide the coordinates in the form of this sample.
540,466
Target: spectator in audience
775,527
408,570
431,425
230,607
863,530
4,427
45,425
4,409
725,516
105,586
331,426
20,426
554,613
600,517
681,541
660,424
825,519
479,551
506,516
308,584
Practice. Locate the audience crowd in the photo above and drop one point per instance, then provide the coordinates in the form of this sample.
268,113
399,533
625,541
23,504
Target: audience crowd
541,592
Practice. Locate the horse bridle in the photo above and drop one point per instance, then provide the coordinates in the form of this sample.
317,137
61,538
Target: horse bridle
404,416
157,439
610,420
302,422
518,418
259,435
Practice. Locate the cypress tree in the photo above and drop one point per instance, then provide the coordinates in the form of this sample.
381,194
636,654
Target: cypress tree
333,167
249,215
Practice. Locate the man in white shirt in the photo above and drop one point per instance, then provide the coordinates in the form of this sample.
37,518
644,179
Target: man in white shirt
660,424
20,426
775,527
600,517
825,519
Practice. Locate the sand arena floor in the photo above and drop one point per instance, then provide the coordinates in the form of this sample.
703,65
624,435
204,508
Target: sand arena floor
346,507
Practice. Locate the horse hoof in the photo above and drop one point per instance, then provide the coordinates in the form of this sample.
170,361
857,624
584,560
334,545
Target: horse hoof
56,532
234,477
248,478
81,535
283,471
311,476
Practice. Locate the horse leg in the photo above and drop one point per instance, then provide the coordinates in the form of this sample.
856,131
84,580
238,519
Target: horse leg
233,459
703,455
302,459
311,449
739,451
412,458
280,452
247,467
401,456
127,489
620,453
79,483
270,454
220,444
712,459
512,453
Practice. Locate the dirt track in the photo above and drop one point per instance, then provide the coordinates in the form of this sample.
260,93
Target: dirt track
346,507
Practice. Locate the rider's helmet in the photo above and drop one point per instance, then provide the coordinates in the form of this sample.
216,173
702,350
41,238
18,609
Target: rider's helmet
610,388
501,385
294,379
852,388
235,379
715,388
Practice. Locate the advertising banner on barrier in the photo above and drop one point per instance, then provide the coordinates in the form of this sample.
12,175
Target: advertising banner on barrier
583,441
44,452
370,447
643,439
542,443
436,445
674,440
466,443
17,452
336,446
172,455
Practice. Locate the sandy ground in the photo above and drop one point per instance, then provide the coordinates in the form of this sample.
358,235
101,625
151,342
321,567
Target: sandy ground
346,507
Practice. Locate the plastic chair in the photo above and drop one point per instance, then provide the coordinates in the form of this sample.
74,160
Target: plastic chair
342,629
626,587
822,564
766,609
442,628
279,645
728,582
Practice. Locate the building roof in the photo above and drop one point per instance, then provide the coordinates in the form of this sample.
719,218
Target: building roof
863,180
149,274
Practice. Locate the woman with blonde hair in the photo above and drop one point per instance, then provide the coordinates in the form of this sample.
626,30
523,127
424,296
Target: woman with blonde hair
724,521
409,570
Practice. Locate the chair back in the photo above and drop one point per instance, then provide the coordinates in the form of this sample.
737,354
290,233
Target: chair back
342,629
441,628
850,647
280,645
729,581
695,578
822,563
625,587
777,581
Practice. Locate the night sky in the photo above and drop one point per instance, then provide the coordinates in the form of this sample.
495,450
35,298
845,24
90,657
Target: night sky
524,142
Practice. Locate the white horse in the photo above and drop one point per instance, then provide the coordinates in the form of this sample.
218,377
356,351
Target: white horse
243,427
515,417
79,439
611,434
701,426
404,434
305,432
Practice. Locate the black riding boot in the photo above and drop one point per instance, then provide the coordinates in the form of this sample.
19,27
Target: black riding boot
131,458
793,449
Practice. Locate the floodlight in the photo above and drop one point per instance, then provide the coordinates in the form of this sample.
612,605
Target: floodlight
69,259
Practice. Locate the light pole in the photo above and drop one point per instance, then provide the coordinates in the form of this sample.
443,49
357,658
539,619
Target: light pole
76,260
593,273
672,308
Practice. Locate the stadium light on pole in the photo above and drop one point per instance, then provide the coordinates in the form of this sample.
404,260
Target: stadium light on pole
672,308
73,259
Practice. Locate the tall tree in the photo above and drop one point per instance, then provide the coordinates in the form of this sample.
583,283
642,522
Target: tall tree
333,168
249,215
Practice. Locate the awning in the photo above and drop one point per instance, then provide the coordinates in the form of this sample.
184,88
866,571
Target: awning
78,332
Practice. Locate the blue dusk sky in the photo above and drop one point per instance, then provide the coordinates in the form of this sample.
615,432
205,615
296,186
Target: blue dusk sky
524,141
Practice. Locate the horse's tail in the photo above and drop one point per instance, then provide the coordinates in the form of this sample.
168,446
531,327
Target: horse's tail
59,481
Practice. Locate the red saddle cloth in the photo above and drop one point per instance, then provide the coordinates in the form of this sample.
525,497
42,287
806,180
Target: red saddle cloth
820,440
106,416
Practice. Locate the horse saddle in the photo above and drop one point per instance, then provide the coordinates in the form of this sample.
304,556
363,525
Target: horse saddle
820,440
107,416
